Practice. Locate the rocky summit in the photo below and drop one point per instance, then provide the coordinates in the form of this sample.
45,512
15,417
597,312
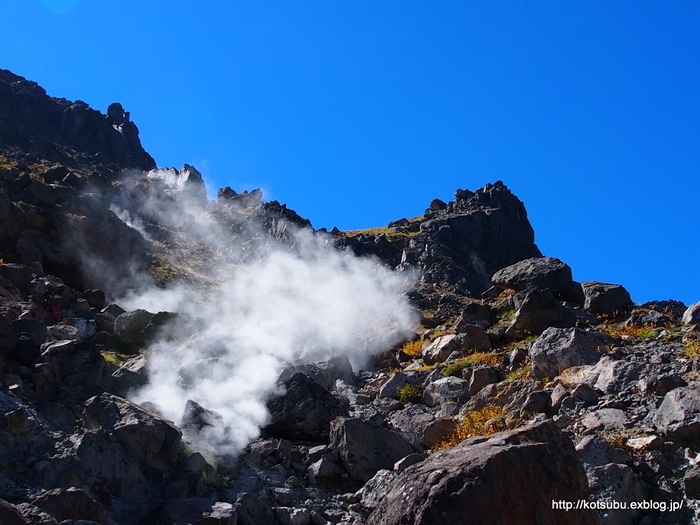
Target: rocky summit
448,372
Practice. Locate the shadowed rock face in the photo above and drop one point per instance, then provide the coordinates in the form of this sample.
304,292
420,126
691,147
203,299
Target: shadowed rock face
511,477
459,245
35,123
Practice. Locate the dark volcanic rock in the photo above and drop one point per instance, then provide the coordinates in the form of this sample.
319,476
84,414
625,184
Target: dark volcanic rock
606,299
463,245
151,440
537,311
510,477
540,273
365,447
71,504
32,121
304,411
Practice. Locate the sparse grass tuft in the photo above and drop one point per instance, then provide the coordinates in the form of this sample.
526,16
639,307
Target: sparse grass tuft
477,358
641,332
410,393
113,358
524,372
484,422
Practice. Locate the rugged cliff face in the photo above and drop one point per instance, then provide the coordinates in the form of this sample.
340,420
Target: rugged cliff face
56,129
165,359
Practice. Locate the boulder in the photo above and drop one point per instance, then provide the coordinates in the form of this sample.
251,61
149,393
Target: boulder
611,479
472,337
540,273
473,314
691,483
253,510
365,447
538,310
605,419
692,314
151,440
678,416
511,395
131,375
376,488
413,418
439,350
613,375
606,299
102,465
446,388
482,376
68,368
650,318
304,411
560,348
71,504
498,480
129,327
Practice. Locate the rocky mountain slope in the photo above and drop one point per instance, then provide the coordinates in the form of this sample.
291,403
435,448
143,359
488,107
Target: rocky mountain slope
504,392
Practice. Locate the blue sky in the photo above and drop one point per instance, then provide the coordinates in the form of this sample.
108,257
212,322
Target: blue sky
357,113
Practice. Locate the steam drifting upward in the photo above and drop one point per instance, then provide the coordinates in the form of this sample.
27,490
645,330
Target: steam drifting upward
297,300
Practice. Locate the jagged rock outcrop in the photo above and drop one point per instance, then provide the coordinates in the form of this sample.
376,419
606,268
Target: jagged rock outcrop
43,126
459,245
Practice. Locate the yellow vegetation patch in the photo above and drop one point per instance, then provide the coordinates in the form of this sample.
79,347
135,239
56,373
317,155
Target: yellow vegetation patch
410,393
413,348
484,422
692,349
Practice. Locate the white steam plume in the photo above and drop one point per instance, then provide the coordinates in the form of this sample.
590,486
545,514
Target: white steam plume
300,300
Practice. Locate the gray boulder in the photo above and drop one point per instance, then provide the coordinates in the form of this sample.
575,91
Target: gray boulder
611,479
413,418
103,466
376,488
606,299
560,348
692,314
678,416
472,337
498,480
446,388
439,350
364,447
511,395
